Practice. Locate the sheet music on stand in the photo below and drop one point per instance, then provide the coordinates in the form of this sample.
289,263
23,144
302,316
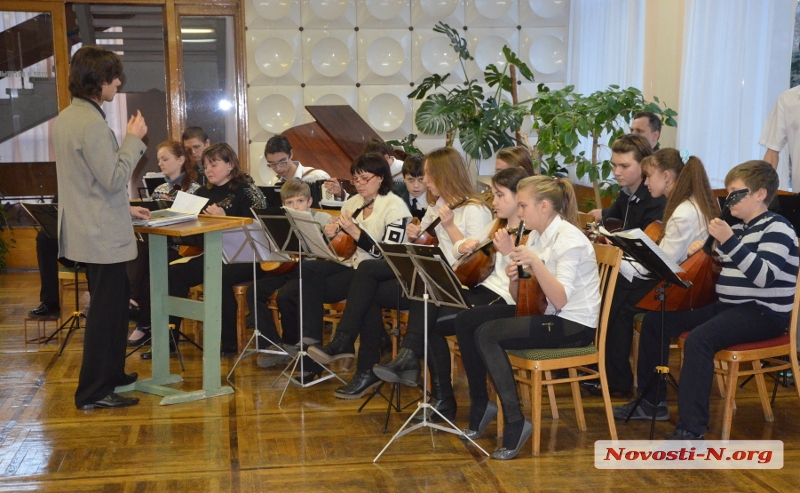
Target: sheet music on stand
641,248
250,244
312,240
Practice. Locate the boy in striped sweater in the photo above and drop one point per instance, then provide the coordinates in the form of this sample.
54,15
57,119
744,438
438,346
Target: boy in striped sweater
756,292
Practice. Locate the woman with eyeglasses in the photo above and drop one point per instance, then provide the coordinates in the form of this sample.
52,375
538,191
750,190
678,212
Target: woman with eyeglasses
383,217
278,152
375,286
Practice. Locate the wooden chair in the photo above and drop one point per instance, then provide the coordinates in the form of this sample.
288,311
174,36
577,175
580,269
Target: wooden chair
240,292
66,280
764,356
535,362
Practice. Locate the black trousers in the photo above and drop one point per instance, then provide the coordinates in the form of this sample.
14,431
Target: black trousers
373,288
467,323
47,255
713,328
185,275
104,343
139,278
620,330
258,300
539,331
323,282
442,323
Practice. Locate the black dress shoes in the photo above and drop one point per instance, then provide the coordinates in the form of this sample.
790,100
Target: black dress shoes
45,310
361,383
403,368
130,378
340,347
593,388
111,401
446,406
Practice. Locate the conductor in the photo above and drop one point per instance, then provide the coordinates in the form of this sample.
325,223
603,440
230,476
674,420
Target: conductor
94,218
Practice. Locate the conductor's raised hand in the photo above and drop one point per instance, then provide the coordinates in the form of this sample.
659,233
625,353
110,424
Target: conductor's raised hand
503,241
137,125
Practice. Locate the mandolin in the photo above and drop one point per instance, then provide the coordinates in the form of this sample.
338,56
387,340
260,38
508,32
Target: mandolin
473,268
531,299
428,237
343,244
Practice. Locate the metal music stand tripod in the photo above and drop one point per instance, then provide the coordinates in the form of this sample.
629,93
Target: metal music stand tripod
663,269
311,243
255,244
46,217
431,280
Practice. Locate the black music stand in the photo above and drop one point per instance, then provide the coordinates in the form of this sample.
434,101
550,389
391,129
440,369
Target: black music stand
46,218
431,280
252,243
662,269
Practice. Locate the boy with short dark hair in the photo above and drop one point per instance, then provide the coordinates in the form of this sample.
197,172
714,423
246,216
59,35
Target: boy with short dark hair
756,293
413,189
296,195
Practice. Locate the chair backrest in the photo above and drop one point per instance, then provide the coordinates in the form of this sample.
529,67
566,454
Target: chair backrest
793,340
608,259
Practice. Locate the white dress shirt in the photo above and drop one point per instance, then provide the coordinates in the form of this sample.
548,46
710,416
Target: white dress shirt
782,128
569,256
469,219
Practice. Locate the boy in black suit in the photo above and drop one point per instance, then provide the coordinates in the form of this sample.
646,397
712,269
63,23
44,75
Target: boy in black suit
413,190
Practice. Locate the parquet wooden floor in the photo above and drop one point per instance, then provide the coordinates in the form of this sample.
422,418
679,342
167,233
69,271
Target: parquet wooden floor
312,443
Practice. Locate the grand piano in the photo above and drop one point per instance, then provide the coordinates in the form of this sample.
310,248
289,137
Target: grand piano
333,141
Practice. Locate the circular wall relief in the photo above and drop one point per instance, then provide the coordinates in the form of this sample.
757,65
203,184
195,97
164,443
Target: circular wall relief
328,9
385,56
438,9
438,56
274,57
548,8
331,100
273,10
386,112
276,113
493,9
330,57
547,54
384,9
490,50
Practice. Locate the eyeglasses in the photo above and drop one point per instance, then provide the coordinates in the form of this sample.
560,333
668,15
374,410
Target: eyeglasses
279,164
360,180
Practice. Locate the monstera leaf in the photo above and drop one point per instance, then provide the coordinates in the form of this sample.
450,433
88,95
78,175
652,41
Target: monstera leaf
436,115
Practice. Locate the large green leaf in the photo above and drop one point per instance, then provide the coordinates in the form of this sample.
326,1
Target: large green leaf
477,140
512,58
436,115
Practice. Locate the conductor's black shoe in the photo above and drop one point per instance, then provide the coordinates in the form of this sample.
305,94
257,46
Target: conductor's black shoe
403,368
130,378
340,347
111,401
680,434
361,383
46,310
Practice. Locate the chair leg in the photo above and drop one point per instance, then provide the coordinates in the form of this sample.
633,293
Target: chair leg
576,398
612,426
720,377
500,418
795,370
635,356
241,322
524,397
551,395
762,392
536,402
730,398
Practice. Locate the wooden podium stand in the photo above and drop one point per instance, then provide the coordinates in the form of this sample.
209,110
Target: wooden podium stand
209,311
